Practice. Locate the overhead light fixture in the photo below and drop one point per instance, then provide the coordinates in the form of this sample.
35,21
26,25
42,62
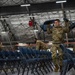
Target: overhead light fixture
60,1
25,5
22,44
35,30
3,32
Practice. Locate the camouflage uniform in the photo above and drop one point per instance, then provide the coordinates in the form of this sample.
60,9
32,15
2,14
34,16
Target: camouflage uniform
58,38
1,46
41,45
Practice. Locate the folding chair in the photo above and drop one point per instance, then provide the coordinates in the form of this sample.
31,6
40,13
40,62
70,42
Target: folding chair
68,63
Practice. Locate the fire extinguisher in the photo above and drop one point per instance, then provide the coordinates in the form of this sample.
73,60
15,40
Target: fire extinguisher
31,23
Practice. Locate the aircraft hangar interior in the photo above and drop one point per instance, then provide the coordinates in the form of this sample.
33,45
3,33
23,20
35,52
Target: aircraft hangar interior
37,37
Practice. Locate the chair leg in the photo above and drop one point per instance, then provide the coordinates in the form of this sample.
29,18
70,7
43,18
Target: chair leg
18,70
50,66
74,67
46,67
32,69
5,72
64,69
23,70
37,71
27,70
43,68
41,71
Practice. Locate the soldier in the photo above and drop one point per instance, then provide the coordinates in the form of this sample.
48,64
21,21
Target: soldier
40,45
58,38
1,46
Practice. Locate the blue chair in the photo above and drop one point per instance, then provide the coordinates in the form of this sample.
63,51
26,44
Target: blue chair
68,62
35,60
2,63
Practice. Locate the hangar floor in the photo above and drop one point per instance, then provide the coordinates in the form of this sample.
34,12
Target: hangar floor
71,72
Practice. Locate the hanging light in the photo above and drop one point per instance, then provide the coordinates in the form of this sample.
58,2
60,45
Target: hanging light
22,44
25,5
36,30
3,32
60,1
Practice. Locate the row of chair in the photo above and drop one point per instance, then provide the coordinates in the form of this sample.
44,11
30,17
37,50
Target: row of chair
34,61
26,60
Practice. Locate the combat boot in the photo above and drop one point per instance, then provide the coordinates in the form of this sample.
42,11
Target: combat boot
60,69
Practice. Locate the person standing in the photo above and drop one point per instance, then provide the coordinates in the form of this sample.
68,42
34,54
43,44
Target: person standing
58,33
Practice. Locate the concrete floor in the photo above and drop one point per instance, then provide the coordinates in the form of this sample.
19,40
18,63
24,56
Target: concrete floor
71,72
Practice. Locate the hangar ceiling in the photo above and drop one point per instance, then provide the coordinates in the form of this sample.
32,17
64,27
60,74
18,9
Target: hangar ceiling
13,6
19,2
